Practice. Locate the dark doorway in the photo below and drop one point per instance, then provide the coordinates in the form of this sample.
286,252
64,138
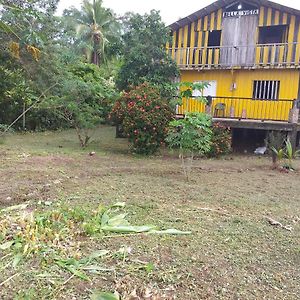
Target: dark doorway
272,34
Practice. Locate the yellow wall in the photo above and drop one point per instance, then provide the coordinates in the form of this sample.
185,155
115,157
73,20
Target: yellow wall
267,16
289,80
257,109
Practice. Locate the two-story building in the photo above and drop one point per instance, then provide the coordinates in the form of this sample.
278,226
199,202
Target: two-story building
249,53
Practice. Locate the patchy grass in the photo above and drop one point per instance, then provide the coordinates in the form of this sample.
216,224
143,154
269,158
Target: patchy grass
232,253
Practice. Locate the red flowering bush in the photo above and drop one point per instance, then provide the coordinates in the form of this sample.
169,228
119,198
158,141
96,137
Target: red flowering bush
144,116
220,141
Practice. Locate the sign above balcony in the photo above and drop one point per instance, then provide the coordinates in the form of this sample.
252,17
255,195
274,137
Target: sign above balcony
241,13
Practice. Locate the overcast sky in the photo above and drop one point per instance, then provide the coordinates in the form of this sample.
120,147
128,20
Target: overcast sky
171,10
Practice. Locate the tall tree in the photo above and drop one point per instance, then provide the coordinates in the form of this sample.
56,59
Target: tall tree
96,27
145,57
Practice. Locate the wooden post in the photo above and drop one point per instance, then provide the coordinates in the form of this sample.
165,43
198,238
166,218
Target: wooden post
208,109
244,113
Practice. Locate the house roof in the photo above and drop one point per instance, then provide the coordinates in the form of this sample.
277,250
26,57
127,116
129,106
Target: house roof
222,3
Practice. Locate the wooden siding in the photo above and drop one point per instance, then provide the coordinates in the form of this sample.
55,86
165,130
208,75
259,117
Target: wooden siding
238,32
243,80
188,40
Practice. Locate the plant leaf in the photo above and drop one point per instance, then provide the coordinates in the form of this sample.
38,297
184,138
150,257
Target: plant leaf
72,269
128,229
104,219
104,296
171,231
6,245
17,259
118,205
118,220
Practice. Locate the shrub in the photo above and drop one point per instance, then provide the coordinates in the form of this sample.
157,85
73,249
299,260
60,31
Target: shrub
275,143
220,141
144,116
191,135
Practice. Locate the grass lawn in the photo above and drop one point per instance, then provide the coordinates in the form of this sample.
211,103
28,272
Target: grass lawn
232,253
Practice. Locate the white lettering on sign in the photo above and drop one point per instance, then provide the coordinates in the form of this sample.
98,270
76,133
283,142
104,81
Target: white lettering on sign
240,13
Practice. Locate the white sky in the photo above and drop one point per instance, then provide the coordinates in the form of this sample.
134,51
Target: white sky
171,10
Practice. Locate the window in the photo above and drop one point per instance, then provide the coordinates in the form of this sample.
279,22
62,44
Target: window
214,38
210,90
266,89
272,34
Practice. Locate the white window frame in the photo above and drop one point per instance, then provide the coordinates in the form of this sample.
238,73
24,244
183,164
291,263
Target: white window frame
266,89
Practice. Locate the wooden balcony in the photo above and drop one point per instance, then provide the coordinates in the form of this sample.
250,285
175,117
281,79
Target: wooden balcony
285,55
244,109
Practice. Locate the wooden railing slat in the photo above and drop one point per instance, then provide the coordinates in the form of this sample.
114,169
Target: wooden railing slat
264,55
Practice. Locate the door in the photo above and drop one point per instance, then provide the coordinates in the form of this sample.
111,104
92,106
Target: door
238,41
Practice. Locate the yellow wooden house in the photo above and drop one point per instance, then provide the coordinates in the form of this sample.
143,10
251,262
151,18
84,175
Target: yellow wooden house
249,53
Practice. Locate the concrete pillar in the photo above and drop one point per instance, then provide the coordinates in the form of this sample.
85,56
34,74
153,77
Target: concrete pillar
294,115
292,135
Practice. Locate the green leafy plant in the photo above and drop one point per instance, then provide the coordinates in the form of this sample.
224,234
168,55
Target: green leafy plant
81,99
290,154
186,89
220,141
144,116
275,143
191,135
285,153
96,27
145,56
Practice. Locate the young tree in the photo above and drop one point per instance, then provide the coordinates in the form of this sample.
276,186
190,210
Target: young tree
191,135
81,99
145,56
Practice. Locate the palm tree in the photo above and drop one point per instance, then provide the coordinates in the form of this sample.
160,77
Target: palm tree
96,27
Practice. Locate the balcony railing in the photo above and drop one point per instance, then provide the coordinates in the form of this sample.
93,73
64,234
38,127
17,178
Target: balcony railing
241,108
273,55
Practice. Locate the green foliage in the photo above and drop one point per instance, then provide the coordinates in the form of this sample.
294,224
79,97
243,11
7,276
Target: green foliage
96,29
191,135
290,154
52,236
275,144
220,141
186,89
145,57
83,99
37,54
144,116
282,150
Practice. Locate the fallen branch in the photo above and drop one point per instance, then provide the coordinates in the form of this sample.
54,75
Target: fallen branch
276,223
